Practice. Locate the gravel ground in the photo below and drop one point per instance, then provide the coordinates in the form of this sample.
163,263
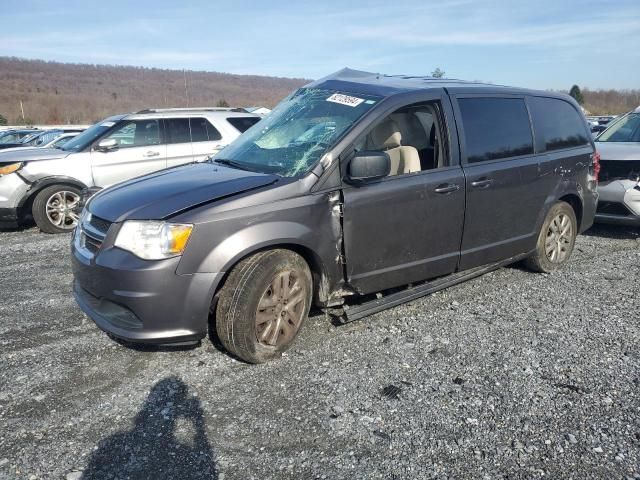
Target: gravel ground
511,375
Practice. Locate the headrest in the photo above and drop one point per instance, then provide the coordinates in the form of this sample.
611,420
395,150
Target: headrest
386,135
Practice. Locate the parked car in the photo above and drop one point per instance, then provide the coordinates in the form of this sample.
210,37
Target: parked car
597,130
40,138
619,187
47,183
13,136
51,140
410,185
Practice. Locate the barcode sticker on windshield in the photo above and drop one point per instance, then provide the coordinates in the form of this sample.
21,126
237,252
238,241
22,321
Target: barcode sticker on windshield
345,100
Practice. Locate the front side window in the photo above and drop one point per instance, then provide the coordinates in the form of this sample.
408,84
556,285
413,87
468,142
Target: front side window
625,129
298,132
136,133
412,136
495,128
557,123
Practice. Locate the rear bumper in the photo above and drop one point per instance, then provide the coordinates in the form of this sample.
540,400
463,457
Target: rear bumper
142,301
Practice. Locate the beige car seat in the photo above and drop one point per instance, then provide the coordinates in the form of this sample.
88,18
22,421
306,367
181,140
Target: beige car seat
387,138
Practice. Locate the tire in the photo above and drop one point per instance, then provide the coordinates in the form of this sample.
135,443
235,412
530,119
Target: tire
556,240
256,319
54,208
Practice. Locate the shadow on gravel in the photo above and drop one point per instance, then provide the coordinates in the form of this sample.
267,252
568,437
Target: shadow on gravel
620,232
168,440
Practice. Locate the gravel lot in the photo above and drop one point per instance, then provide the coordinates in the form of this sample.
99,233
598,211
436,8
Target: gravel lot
511,375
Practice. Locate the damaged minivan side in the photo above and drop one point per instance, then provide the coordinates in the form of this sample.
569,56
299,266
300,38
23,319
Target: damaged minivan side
357,193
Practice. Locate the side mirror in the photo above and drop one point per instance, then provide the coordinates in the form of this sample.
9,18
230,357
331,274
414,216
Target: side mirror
107,145
369,165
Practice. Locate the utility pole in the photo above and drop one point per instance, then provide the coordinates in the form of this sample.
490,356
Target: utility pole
22,110
186,89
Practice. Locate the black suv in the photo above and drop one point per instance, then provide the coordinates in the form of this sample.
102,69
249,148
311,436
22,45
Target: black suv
358,192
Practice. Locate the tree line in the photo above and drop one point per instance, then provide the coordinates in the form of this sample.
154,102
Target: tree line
53,92
36,91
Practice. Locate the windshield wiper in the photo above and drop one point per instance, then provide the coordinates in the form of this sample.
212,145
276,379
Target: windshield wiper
233,164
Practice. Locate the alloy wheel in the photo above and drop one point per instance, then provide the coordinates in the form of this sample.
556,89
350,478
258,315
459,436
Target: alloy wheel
559,237
60,209
281,309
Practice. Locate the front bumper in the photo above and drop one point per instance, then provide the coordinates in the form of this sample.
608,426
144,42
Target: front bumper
141,301
8,217
12,191
619,202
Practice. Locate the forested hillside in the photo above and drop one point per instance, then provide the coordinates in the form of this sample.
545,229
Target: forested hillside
53,92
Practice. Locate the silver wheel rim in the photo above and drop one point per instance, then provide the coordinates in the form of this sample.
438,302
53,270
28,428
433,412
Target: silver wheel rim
559,237
60,209
281,309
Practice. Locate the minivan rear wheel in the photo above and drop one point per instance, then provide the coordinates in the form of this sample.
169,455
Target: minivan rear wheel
54,208
263,304
556,239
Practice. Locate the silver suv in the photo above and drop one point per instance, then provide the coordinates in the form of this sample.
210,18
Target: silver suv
47,183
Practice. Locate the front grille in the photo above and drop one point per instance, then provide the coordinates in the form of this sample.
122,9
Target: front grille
93,234
91,244
613,208
100,224
619,169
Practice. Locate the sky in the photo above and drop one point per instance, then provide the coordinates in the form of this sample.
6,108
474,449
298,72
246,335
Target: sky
546,44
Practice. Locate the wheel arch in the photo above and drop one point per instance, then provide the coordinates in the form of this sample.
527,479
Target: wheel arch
37,186
575,201
318,269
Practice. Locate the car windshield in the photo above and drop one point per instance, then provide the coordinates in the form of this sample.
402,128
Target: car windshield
297,133
626,129
87,137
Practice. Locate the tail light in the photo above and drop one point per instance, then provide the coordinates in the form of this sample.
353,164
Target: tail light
596,164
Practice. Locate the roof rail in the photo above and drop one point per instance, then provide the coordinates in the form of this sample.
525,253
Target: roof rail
197,109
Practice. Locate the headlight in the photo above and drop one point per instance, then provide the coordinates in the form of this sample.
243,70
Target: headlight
7,169
153,240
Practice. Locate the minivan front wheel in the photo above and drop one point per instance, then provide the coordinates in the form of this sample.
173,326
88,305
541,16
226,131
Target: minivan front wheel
263,304
54,208
556,239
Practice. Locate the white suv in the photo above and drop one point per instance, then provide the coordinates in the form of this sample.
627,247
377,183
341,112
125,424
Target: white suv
47,183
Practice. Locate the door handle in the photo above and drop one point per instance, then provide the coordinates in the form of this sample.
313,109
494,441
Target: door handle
151,154
447,188
482,183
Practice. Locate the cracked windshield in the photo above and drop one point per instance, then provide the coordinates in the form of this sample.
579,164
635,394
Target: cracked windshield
297,133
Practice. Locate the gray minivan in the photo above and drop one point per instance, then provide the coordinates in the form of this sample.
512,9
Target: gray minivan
358,192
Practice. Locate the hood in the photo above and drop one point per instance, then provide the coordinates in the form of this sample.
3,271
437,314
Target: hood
618,150
31,155
163,194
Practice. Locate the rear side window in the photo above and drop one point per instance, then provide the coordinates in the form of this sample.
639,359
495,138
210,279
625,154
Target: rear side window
495,128
557,124
178,130
199,130
185,130
242,124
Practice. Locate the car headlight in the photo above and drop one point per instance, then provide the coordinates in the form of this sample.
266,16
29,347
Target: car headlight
153,240
7,169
